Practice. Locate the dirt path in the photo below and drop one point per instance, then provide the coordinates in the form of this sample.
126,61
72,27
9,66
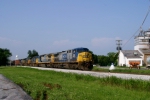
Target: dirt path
11,91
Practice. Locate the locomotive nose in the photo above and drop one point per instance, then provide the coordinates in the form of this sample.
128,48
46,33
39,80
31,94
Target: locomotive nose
86,57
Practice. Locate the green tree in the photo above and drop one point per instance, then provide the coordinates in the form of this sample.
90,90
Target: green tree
116,59
103,60
32,53
111,57
4,56
94,57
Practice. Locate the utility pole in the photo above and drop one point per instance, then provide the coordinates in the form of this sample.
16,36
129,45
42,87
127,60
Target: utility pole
119,45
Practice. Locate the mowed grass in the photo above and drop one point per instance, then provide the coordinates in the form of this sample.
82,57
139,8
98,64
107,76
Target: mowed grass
142,71
51,85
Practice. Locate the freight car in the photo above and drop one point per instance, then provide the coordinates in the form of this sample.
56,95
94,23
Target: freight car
77,58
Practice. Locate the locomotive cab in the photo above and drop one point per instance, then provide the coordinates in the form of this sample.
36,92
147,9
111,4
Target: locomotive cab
84,58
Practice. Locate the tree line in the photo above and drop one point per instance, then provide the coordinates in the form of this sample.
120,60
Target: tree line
5,55
106,60
102,60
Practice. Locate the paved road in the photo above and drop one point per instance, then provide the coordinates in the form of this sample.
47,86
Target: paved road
10,91
99,74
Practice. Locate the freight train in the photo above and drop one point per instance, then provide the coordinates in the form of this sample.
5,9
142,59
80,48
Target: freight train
77,58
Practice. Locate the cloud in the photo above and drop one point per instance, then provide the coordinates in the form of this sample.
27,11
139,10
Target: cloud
97,42
97,45
103,45
68,42
15,47
9,41
61,42
63,45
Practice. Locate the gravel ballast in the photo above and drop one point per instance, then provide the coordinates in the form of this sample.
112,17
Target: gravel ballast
99,74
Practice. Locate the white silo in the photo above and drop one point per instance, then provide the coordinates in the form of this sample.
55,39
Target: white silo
142,44
142,41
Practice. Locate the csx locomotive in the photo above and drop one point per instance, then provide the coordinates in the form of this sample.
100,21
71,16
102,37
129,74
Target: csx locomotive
77,58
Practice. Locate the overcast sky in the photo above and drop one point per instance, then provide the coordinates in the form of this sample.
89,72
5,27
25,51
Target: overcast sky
55,25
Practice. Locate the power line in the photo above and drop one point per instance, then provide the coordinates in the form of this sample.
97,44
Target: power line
146,16
139,27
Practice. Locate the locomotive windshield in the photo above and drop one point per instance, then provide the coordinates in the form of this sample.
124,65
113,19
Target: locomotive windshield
82,50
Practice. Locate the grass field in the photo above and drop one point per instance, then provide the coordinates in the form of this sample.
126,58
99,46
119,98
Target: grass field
50,85
142,71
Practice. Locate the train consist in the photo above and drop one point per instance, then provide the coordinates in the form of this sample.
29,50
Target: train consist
78,58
